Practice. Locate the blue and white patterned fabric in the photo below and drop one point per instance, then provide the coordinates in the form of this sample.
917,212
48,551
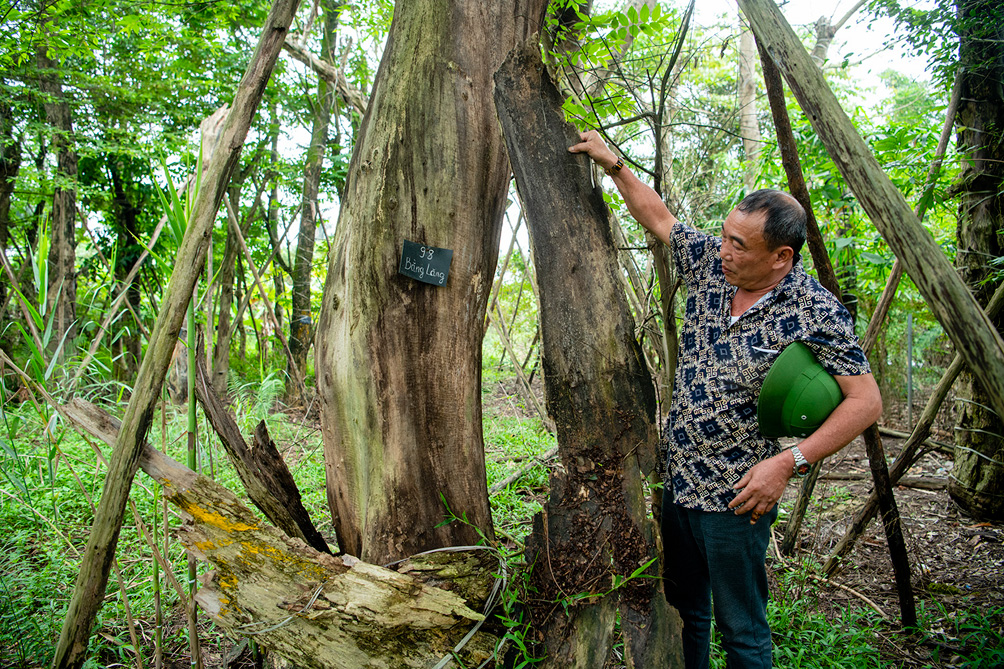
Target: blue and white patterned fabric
711,438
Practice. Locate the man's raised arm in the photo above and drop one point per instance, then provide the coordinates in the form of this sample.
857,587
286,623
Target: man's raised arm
644,203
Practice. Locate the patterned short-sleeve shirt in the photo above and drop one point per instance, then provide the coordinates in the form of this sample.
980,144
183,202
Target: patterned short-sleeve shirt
711,438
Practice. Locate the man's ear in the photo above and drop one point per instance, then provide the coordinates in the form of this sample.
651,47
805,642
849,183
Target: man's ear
782,256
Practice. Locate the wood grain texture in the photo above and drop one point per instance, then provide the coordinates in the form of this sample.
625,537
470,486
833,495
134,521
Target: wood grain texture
598,392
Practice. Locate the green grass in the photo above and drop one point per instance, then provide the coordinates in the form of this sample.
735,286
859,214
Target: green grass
46,479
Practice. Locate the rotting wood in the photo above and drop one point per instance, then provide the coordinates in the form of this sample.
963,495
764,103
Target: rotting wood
951,302
261,468
314,609
917,482
92,577
598,392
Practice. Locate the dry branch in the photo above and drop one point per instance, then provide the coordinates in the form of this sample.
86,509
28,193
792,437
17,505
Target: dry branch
261,468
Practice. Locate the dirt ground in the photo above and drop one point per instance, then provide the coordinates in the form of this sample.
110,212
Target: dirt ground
956,562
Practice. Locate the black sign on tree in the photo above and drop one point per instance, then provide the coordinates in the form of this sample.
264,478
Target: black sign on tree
428,264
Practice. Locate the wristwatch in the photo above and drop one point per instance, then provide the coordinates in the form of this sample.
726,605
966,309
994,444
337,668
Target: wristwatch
802,465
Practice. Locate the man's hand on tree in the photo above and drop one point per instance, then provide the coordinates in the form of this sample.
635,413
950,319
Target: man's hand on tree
597,149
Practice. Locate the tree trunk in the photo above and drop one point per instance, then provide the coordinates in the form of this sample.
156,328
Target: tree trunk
749,127
977,480
300,318
10,163
975,337
399,361
126,346
92,578
593,548
62,295
224,327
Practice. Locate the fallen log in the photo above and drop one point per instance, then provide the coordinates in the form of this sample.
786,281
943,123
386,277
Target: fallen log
918,482
311,608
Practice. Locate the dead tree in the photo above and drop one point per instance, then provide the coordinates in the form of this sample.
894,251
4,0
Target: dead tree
314,609
593,549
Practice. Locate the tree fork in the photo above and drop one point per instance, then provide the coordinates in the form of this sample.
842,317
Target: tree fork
92,579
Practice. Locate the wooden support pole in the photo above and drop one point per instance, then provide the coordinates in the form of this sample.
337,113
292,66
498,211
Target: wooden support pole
817,249
92,578
952,303
911,449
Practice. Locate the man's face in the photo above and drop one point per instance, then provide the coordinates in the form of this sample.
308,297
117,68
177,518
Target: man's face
746,261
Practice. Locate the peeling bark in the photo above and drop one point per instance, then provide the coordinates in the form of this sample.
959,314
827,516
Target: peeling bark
398,362
311,608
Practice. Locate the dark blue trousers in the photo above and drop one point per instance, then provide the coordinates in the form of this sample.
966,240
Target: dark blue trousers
715,564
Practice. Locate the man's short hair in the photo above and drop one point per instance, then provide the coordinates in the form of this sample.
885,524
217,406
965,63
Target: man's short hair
784,223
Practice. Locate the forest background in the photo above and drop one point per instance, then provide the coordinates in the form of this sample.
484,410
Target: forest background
101,105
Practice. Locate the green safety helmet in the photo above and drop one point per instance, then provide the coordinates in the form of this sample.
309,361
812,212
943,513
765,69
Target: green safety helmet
797,394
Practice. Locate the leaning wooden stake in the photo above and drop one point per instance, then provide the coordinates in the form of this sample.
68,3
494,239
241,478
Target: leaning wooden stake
817,248
593,549
975,337
881,308
92,579
911,449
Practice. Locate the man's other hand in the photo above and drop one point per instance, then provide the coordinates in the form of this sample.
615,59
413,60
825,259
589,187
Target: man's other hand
763,486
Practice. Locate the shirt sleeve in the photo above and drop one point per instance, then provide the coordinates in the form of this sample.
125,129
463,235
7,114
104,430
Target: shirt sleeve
691,250
834,341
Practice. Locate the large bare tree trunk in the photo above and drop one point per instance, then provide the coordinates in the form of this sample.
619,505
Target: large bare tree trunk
595,533
300,320
92,578
62,295
977,481
398,362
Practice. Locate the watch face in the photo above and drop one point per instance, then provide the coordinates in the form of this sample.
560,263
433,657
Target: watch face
802,470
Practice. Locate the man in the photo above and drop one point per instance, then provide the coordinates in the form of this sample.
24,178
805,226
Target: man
748,298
